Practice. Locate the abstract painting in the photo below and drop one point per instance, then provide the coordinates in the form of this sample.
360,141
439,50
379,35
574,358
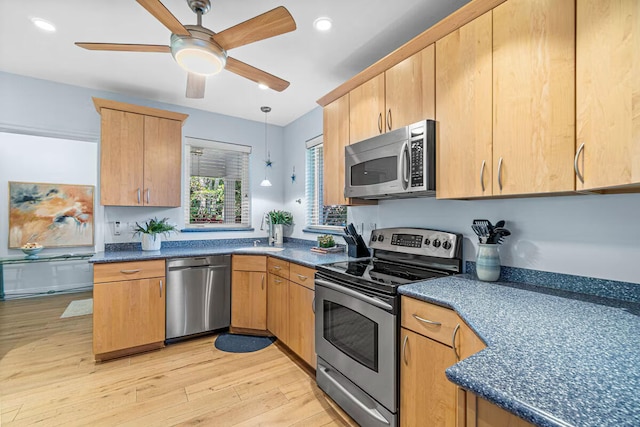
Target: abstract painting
54,215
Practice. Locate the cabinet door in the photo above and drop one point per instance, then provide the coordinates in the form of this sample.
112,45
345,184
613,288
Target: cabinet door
128,314
463,111
249,300
278,307
533,96
336,137
410,90
302,323
426,395
121,158
608,92
366,110
162,161
482,413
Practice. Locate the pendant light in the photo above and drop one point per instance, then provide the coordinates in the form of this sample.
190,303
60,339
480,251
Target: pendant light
265,182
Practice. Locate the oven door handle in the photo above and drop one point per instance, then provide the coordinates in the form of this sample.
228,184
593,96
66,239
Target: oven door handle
357,295
371,411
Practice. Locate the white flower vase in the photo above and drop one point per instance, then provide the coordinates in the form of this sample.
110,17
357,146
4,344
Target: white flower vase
278,231
151,242
488,262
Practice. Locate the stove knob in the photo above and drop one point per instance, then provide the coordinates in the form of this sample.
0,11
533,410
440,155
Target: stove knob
427,242
446,245
380,238
374,238
436,243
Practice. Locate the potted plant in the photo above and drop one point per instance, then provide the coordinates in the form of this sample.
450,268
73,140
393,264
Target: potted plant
278,220
326,241
151,230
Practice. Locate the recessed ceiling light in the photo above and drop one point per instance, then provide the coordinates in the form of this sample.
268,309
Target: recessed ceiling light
263,86
43,25
323,24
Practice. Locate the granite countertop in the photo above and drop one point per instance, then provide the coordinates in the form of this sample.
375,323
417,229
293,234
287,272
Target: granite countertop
299,253
552,360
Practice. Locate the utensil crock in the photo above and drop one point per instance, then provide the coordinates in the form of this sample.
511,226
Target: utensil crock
488,262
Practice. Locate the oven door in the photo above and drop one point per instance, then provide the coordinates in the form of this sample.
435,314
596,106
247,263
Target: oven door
356,335
378,166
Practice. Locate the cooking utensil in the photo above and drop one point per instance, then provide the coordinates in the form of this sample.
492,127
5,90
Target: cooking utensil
500,224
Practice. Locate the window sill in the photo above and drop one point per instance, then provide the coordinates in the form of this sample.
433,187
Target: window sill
215,229
333,232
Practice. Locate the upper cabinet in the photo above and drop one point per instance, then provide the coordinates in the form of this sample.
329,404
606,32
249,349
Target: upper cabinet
463,111
608,94
402,95
505,102
140,155
533,96
335,138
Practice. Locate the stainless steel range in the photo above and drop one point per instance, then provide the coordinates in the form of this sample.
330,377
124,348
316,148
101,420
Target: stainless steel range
357,307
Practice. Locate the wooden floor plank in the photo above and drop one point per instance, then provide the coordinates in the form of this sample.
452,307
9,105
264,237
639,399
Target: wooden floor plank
48,377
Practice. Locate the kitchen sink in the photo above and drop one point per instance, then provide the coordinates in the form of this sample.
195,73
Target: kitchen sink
261,249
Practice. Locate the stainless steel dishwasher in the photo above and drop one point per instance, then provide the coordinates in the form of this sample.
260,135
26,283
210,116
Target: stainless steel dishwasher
198,295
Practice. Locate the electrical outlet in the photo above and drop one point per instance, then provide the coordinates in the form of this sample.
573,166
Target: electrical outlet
117,227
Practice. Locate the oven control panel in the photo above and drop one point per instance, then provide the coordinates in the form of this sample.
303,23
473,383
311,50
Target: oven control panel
419,241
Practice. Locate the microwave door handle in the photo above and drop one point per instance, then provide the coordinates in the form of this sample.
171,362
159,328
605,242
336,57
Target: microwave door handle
406,163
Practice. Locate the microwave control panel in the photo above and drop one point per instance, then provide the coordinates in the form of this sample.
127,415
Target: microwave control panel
417,162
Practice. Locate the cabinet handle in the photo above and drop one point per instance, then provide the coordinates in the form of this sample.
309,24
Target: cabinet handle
130,271
262,284
277,267
313,305
500,173
575,163
277,281
404,347
148,191
484,163
161,288
453,342
301,277
138,195
380,122
389,119
428,322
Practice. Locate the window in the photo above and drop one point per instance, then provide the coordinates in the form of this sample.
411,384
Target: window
318,215
216,184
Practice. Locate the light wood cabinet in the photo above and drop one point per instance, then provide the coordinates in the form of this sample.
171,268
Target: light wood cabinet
290,315
463,111
608,93
482,413
533,96
140,155
432,339
249,293
278,307
128,308
402,95
335,138
506,102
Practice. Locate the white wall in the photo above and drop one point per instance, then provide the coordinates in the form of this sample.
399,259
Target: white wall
586,235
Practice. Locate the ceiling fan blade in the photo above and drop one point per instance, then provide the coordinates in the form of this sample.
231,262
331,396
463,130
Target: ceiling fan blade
165,17
195,85
125,47
273,23
256,75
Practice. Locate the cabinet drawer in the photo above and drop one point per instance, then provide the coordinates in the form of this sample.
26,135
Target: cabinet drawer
302,275
117,271
278,267
430,320
249,263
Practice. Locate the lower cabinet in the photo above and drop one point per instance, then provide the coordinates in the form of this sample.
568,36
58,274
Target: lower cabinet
482,413
249,293
290,315
128,308
432,339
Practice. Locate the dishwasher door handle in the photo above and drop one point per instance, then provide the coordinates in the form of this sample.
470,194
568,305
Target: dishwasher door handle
196,267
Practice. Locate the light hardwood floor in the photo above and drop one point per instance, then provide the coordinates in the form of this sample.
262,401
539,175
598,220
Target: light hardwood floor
48,377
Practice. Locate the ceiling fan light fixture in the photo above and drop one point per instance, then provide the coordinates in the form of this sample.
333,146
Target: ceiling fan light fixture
198,53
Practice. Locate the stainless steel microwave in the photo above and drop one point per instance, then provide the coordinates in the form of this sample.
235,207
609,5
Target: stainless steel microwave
396,164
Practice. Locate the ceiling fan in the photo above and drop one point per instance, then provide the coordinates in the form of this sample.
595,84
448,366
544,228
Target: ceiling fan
203,52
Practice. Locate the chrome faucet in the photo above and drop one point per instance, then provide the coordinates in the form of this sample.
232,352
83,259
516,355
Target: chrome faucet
255,243
270,239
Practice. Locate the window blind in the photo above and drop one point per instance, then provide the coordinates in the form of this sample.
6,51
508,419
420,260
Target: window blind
216,184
